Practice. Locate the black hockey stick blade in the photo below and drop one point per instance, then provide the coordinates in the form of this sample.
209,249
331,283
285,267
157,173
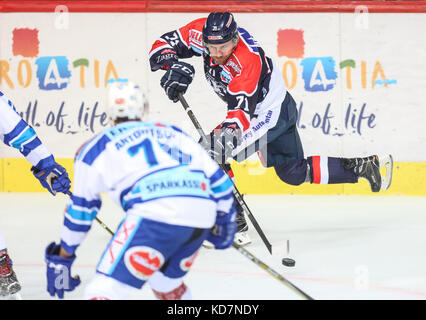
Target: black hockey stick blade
272,272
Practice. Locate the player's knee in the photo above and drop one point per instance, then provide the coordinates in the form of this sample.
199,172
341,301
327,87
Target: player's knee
166,288
102,287
293,173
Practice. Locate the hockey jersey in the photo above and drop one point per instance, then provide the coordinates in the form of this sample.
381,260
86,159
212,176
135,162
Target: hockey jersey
16,133
248,82
150,169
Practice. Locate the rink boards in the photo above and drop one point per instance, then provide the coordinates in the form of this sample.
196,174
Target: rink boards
251,177
356,75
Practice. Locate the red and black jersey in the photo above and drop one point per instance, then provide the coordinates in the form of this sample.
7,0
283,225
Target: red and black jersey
242,82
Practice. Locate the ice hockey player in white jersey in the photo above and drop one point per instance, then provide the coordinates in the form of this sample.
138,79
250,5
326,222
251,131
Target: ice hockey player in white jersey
16,133
171,191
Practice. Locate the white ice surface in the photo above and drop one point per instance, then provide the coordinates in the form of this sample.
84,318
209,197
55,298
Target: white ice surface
345,247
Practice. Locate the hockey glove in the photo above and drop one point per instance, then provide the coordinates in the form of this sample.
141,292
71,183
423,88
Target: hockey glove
54,178
224,141
177,79
163,59
223,232
59,272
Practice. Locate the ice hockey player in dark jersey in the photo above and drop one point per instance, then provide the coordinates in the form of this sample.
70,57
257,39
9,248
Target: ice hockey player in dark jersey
261,113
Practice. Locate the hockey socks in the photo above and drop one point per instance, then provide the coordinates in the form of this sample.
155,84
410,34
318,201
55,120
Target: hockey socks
329,170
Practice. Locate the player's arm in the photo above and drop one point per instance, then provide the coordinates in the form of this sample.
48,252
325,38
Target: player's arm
80,211
241,98
18,134
174,45
82,206
166,52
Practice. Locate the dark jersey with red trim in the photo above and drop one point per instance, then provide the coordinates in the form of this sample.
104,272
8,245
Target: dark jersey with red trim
242,82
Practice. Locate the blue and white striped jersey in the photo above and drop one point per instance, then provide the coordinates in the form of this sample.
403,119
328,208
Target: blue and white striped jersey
150,169
15,132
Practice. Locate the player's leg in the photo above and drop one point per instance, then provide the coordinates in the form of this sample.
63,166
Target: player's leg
167,283
103,287
166,288
9,283
285,154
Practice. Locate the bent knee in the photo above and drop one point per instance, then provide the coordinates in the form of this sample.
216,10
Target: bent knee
293,173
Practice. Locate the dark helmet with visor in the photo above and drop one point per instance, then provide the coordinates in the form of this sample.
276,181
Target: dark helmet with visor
220,27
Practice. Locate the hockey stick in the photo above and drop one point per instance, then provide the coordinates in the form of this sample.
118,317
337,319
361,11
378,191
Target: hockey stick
272,272
237,194
251,257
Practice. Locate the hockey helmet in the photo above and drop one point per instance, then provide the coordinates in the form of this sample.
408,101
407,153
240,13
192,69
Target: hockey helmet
220,27
125,100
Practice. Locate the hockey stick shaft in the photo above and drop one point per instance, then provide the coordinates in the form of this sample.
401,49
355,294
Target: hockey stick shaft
250,256
272,272
237,194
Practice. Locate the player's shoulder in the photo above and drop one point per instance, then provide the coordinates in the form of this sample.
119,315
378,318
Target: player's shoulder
244,65
90,149
247,49
196,24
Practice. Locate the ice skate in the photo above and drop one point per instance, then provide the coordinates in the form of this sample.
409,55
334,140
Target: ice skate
369,169
9,285
241,237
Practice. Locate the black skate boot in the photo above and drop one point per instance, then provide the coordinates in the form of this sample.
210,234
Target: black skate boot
241,237
367,168
9,284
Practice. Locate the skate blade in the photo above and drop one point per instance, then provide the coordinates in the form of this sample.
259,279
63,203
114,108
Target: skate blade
386,165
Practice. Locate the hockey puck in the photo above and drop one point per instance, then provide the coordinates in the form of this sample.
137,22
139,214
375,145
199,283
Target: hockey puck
288,262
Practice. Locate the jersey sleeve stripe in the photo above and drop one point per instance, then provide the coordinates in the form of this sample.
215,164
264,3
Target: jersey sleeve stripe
81,214
219,174
95,150
82,202
76,226
240,117
26,136
225,186
159,45
21,126
30,146
75,221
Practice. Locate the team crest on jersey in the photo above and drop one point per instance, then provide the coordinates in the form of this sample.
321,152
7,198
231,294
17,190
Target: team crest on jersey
196,41
234,66
187,262
143,261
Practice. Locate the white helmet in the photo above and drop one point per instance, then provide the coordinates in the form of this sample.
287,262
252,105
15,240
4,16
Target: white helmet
125,100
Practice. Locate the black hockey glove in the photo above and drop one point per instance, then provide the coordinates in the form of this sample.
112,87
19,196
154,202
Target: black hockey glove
163,59
224,141
177,79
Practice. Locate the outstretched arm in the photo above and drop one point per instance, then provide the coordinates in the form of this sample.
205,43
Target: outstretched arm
18,134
